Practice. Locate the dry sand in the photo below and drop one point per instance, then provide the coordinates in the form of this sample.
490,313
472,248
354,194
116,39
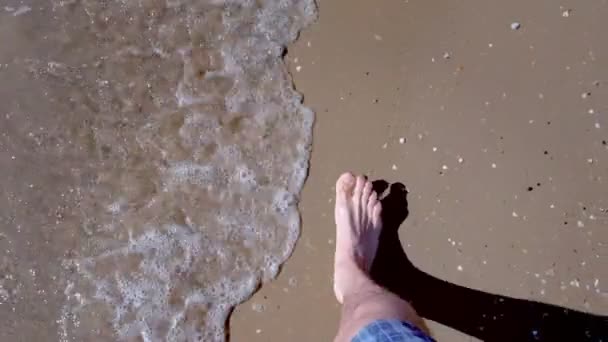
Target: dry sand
505,152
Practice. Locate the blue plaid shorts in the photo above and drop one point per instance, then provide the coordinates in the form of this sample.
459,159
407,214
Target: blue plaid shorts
391,331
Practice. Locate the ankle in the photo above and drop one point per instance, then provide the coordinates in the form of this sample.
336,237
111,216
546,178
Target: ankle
352,261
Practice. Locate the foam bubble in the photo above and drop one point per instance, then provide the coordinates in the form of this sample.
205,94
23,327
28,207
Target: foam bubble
187,172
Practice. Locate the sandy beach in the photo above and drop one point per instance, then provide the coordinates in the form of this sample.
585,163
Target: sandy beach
493,115
158,164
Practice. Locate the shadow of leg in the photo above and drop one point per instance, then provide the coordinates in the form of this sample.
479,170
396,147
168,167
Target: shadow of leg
483,315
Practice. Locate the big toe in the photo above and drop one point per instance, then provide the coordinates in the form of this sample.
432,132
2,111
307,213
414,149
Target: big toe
345,184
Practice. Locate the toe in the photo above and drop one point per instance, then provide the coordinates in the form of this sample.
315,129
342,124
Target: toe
338,293
377,215
367,191
359,185
345,184
373,199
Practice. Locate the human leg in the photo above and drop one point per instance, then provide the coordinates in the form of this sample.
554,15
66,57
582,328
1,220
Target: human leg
358,226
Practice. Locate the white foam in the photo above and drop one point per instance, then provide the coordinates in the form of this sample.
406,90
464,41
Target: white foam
283,201
225,214
187,172
245,176
21,10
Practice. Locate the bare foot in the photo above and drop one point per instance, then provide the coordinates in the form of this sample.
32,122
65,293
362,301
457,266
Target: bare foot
358,227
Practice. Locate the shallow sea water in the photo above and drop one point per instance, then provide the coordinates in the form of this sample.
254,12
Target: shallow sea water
152,153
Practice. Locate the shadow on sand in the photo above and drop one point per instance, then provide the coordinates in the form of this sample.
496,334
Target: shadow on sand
486,316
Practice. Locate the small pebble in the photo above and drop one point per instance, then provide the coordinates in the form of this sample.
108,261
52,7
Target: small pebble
460,160
299,68
566,13
459,268
580,224
585,95
493,165
597,125
394,167
515,26
434,149
402,140
257,307
590,160
446,55
591,111
514,214
445,167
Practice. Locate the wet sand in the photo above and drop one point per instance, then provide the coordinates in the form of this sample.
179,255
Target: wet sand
504,157
146,188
